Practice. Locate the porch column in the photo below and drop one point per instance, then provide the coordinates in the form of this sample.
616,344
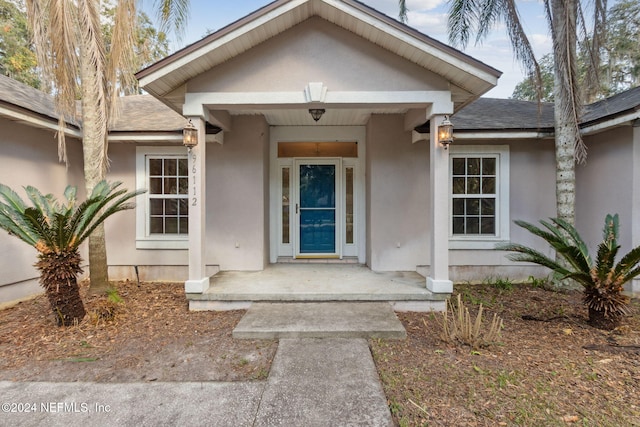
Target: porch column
198,280
438,280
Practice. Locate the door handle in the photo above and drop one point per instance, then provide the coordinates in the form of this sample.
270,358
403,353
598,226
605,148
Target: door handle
296,209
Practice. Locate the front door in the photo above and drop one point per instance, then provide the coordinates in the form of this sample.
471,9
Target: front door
317,208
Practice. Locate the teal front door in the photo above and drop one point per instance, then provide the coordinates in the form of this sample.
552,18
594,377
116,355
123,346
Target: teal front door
317,208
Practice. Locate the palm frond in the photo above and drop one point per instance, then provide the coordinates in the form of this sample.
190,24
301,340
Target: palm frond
44,203
12,198
627,265
463,19
402,11
14,224
121,62
527,254
117,206
521,44
40,225
173,14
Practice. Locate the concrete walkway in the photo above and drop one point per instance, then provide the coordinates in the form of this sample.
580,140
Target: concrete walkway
312,382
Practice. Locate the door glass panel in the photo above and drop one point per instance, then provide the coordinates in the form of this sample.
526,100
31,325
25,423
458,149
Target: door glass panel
286,197
317,209
348,209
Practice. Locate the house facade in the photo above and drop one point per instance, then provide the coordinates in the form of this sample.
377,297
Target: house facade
367,182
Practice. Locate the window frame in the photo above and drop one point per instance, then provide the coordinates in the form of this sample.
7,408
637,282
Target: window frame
502,226
144,239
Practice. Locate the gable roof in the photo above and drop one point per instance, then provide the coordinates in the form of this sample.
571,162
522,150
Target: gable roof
469,77
145,114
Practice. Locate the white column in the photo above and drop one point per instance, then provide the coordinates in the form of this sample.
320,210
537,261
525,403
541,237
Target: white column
198,280
634,286
438,280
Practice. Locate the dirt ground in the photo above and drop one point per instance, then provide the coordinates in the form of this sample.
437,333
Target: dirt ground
152,337
539,373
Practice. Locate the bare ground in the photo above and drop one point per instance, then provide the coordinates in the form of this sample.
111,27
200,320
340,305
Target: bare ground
151,337
539,373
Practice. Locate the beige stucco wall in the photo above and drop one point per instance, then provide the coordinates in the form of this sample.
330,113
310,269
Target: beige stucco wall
397,174
237,208
531,198
29,156
317,51
238,196
604,185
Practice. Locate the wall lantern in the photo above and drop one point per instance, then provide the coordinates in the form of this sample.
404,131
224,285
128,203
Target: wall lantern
316,113
190,135
445,133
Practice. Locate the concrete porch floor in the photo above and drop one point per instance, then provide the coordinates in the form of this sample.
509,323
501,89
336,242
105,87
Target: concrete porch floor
229,290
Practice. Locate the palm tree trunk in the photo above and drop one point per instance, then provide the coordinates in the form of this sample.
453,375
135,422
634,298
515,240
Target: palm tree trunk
94,149
564,14
58,276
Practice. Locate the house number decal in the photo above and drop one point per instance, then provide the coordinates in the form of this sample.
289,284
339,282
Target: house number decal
194,170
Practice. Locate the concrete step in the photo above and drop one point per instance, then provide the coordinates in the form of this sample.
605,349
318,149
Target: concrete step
320,320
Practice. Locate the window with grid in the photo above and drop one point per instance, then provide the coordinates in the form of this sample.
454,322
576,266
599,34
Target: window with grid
168,185
474,195
478,196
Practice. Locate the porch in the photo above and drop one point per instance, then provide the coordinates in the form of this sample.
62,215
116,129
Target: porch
317,282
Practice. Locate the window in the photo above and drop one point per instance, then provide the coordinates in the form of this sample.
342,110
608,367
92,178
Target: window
162,213
479,196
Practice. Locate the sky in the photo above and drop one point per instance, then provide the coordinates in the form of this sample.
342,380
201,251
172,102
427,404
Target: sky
427,16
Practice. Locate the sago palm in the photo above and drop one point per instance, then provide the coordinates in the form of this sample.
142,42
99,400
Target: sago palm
603,279
56,230
75,59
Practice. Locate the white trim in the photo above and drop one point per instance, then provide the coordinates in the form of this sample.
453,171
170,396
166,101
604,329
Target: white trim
315,133
502,195
38,122
138,137
439,100
610,123
417,136
143,239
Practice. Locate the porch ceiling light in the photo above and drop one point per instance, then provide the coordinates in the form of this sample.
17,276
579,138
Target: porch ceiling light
445,133
190,135
316,113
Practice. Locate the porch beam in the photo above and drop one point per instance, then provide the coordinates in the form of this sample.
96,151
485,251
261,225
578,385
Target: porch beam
221,119
198,281
435,101
438,280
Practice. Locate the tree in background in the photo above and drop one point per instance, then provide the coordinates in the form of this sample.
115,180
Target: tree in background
17,59
151,44
526,90
619,69
76,58
622,47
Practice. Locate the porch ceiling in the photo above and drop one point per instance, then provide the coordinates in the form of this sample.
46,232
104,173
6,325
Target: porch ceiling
331,117
167,79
